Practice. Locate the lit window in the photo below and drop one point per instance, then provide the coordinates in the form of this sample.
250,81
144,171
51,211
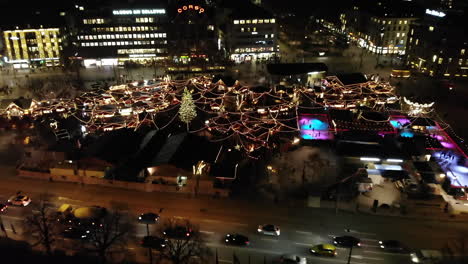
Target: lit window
397,35
434,58
399,22
272,20
242,21
462,52
412,32
389,22
440,60
266,21
254,21
248,21
254,29
431,28
403,34
402,41
266,35
460,61
260,21
272,35
236,22
242,29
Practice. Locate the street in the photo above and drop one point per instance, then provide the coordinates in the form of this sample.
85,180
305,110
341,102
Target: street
301,228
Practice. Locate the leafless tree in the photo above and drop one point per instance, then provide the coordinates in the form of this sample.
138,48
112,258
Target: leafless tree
184,249
42,224
112,232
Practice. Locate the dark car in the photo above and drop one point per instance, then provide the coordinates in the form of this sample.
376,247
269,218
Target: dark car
154,242
347,241
148,218
237,239
178,232
3,207
75,233
393,246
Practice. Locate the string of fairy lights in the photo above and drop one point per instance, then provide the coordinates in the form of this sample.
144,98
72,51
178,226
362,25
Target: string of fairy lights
248,117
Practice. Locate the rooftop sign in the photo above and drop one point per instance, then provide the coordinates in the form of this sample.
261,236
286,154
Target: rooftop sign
139,12
435,13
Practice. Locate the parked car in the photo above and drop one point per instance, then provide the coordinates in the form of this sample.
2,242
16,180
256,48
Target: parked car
268,229
154,242
293,259
148,218
347,241
324,250
19,200
393,246
237,239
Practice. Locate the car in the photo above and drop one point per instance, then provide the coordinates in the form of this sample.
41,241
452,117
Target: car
3,207
328,250
75,233
393,246
347,241
178,232
19,200
148,218
153,242
268,229
293,259
237,239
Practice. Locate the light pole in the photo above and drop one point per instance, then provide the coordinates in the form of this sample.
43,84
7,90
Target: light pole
350,253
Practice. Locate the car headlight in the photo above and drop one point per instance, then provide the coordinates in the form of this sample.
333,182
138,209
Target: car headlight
139,218
380,242
358,244
382,246
227,240
313,251
259,230
334,242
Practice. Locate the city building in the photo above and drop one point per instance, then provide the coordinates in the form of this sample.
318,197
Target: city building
381,27
196,45
438,45
26,48
116,36
253,35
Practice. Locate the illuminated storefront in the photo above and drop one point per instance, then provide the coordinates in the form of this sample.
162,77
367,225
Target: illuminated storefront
26,48
114,37
253,39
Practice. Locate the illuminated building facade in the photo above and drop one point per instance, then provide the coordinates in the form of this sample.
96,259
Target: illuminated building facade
26,48
253,35
381,29
438,45
116,36
195,38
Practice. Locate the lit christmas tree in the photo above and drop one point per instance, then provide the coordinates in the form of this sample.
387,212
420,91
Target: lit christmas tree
187,110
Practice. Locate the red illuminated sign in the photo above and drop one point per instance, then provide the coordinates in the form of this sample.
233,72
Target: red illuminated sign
191,7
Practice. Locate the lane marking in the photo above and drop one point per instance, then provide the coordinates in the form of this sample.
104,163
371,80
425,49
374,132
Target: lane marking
370,239
383,252
303,244
363,257
363,233
225,260
13,217
206,232
304,232
269,239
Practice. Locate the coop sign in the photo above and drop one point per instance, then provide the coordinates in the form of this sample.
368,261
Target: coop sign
197,8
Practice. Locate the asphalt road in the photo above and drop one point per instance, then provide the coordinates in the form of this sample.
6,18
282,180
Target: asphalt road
300,227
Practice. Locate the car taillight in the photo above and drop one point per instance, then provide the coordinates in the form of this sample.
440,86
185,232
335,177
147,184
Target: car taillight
188,234
247,242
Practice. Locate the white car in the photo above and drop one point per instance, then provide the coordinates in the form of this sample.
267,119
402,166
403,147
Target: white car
293,259
19,200
270,230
